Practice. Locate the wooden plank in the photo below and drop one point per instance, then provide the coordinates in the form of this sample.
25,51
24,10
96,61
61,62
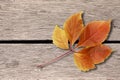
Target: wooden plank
35,19
18,62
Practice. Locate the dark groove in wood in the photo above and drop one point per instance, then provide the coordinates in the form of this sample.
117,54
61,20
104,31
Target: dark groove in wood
43,42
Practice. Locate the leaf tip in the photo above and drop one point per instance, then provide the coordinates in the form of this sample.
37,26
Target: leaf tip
110,20
81,12
112,51
56,26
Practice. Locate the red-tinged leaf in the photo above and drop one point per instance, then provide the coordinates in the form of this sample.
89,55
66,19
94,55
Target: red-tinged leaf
88,57
94,33
73,26
100,53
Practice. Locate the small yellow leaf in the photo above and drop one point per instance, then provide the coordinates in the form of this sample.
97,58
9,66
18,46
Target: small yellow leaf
59,38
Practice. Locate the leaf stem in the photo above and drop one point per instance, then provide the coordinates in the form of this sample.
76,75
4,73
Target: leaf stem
55,59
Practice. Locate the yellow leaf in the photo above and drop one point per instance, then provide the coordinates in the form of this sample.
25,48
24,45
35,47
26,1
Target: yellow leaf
59,38
73,27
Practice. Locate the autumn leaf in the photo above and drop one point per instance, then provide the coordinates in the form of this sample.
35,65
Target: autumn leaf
91,51
83,61
73,27
100,53
86,58
94,33
59,38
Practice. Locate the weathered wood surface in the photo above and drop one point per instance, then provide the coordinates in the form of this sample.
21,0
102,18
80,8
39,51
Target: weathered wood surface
35,19
18,62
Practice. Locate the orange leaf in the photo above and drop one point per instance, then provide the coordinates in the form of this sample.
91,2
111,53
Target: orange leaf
87,57
73,26
94,33
83,61
59,38
100,53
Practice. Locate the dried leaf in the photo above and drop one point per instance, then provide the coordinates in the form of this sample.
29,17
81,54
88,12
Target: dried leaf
83,61
88,57
59,38
94,33
100,53
90,38
73,26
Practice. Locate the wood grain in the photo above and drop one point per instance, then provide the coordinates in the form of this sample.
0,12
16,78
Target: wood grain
35,19
18,62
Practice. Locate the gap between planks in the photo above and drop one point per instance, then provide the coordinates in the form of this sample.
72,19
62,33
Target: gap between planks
45,42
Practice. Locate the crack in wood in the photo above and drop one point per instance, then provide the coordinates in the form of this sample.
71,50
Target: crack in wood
44,41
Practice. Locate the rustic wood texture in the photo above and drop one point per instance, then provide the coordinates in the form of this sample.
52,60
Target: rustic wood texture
18,62
35,19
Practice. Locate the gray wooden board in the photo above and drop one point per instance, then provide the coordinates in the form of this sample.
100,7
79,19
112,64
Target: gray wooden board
35,19
18,62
